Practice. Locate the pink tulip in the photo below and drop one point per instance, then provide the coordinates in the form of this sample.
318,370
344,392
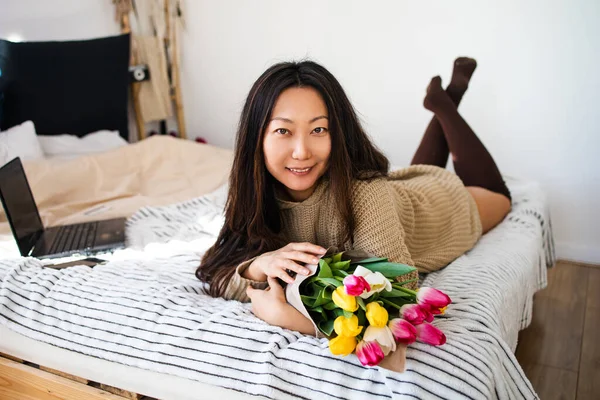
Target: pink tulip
437,311
403,331
433,298
369,353
429,334
413,313
427,312
356,285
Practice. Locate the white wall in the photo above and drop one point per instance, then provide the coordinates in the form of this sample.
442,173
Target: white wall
35,20
534,100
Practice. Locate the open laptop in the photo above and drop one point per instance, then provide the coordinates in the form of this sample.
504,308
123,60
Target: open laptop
61,241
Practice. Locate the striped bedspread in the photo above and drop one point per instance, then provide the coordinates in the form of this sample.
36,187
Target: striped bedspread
145,308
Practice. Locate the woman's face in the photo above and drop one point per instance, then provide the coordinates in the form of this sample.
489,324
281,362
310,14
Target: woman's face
297,143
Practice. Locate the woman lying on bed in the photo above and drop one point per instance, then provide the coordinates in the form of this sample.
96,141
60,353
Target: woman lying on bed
307,177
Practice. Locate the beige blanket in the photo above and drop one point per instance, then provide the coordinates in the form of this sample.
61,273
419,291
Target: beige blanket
157,171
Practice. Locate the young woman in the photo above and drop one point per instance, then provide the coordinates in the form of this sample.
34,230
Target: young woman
306,177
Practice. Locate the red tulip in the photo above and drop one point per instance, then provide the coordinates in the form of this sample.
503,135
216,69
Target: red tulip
369,353
403,331
427,312
433,298
438,311
414,313
429,334
356,285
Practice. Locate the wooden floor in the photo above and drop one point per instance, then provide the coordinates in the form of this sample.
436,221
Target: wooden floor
560,351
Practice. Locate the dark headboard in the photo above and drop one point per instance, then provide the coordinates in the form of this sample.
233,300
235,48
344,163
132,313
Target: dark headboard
73,87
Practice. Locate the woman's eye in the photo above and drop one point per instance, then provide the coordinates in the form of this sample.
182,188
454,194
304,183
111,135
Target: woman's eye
320,130
281,131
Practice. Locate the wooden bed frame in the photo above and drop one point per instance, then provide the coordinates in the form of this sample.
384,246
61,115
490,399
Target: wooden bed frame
20,379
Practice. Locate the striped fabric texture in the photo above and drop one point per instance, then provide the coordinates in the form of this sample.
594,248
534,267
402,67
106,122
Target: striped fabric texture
145,308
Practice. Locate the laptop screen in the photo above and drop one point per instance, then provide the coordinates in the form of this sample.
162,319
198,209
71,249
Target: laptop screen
19,206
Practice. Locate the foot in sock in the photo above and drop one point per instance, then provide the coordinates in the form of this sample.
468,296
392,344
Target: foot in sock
464,67
436,99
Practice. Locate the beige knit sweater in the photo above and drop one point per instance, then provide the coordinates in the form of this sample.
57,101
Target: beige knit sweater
421,216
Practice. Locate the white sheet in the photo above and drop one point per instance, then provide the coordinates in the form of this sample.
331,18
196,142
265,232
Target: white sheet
70,146
167,325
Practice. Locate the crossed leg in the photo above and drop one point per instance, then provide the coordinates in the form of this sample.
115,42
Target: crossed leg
448,133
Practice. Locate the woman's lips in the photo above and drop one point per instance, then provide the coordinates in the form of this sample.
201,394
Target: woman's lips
300,171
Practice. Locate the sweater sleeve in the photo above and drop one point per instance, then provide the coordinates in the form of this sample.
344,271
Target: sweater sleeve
236,289
378,229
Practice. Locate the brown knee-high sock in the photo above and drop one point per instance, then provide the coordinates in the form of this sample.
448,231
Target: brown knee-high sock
433,149
472,162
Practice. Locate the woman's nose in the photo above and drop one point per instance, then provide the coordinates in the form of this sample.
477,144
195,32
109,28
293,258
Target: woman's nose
301,149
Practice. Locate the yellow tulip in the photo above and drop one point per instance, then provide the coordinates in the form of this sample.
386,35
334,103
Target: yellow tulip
343,300
347,326
342,345
377,315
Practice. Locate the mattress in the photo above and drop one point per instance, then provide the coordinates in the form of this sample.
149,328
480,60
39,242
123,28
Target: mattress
144,323
136,380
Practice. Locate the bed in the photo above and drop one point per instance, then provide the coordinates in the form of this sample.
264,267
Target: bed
144,323
116,183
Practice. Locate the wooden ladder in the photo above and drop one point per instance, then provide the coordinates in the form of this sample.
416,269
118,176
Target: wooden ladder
175,78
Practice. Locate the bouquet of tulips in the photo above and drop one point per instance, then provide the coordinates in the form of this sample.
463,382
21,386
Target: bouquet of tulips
365,307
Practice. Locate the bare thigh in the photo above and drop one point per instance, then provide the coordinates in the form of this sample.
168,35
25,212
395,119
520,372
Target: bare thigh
492,206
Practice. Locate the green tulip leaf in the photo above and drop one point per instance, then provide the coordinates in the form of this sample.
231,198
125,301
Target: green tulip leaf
337,257
341,265
397,301
317,317
361,303
308,301
315,288
331,281
326,327
309,288
338,273
337,312
324,297
348,314
362,317
395,293
389,269
405,282
324,270
330,306
368,261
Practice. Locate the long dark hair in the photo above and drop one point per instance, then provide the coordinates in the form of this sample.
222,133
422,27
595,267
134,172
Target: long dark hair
252,221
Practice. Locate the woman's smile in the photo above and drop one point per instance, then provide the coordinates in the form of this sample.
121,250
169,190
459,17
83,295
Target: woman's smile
300,171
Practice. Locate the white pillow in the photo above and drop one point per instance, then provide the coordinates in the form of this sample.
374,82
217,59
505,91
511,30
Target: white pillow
20,141
68,146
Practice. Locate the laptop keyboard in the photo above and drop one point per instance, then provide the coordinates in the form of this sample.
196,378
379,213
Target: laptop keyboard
74,237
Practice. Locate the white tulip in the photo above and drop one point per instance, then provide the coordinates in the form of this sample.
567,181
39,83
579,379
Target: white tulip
376,280
383,336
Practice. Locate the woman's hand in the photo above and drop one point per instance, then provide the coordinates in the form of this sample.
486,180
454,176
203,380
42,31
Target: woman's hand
276,264
268,304
271,306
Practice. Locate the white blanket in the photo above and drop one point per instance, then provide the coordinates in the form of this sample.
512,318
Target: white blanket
147,309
